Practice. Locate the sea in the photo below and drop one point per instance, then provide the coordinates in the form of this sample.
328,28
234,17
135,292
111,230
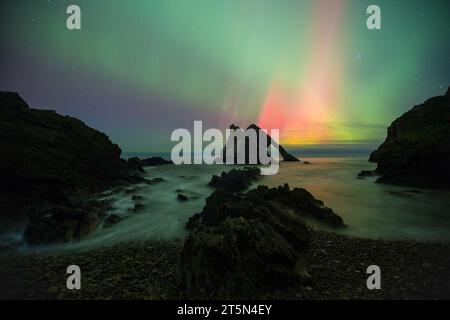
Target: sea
369,209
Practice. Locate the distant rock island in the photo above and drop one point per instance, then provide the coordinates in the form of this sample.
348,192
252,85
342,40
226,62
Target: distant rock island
150,162
416,151
286,156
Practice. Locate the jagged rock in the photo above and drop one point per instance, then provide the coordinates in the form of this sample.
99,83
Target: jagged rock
49,161
137,207
242,242
284,154
111,220
182,198
366,173
235,180
137,198
298,199
154,181
136,164
416,151
152,161
60,224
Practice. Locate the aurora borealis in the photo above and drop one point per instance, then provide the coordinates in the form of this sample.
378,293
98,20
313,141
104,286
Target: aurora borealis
139,69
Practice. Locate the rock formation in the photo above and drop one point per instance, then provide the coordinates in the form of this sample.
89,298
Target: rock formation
283,153
416,151
52,161
242,242
149,162
235,180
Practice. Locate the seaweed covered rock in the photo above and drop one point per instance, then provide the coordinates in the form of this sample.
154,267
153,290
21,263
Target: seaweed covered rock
242,242
416,151
235,180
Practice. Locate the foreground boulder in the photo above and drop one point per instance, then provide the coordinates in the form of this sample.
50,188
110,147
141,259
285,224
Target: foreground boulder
235,180
49,160
240,243
416,151
63,223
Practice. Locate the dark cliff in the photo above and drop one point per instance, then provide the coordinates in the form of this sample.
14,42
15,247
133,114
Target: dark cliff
416,151
49,159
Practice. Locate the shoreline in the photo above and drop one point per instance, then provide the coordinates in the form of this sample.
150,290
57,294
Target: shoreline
147,270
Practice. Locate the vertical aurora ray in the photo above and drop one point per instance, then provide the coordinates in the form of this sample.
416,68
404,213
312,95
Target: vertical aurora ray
303,113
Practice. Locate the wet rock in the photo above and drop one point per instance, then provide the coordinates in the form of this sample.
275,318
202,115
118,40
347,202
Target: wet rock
149,162
237,245
155,161
366,173
132,190
240,242
154,181
235,180
298,199
138,207
60,224
111,220
137,198
182,198
136,164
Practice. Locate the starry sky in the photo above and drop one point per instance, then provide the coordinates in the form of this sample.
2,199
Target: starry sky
139,69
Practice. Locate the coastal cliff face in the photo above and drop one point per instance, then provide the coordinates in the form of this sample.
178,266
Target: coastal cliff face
416,151
52,160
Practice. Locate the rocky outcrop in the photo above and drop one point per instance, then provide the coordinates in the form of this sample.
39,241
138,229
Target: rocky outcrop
242,242
366,173
245,148
182,197
235,180
63,223
416,151
112,220
149,162
52,161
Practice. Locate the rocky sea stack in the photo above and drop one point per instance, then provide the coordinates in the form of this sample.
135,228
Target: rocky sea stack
50,166
285,156
416,151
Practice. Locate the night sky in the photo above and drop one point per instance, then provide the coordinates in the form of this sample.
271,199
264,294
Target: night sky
139,69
